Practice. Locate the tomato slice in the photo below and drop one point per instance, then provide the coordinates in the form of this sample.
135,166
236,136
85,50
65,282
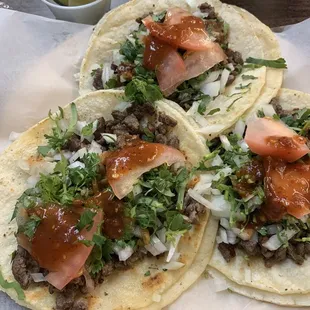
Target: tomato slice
189,33
124,167
197,63
167,62
287,189
269,137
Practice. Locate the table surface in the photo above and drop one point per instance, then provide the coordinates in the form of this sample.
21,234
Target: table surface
274,13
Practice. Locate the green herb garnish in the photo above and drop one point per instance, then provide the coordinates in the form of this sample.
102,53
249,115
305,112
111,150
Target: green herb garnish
12,285
278,63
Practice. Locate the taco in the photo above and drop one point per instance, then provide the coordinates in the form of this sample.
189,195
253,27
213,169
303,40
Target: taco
215,70
259,191
99,194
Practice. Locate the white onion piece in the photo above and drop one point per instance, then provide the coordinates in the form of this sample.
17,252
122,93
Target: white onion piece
226,171
175,257
203,188
254,237
220,207
212,77
79,154
199,198
217,161
243,145
231,237
89,282
95,148
38,277
155,247
200,14
237,161
192,4
32,181
14,136
211,89
220,285
224,79
156,297
109,137
269,110
107,73
225,223
41,167
223,235
117,58
193,109
230,66
173,266
218,239
225,143
23,165
66,155
79,126
239,128
161,234
123,253
76,164
122,106
272,229
215,192
173,247
275,243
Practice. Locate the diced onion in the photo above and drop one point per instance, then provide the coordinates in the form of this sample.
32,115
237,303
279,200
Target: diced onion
212,77
117,58
225,223
224,79
14,136
79,126
155,247
43,167
173,266
38,277
23,165
107,73
225,143
66,155
269,110
161,234
231,237
79,154
220,207
32,181
275,243
95,148
109,137
215,192
173,247
223,235
230,66
203,188
199,198
217,161
137,232
192,4
123,253
175,257
226,171
76,164
122,106
211,89
243,145
239,128
156,297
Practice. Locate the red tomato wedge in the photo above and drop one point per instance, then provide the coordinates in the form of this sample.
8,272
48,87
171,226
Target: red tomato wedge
268,137
55,244
167,62
189,33
126,166
174,16
287,189
197,63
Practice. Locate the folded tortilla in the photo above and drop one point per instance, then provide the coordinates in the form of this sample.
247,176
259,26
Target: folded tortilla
129,289
246,35
285,283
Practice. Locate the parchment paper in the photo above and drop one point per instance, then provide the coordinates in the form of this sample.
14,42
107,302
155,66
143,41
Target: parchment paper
38,60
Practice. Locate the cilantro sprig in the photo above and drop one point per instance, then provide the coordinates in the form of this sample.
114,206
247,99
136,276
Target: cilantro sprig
253,63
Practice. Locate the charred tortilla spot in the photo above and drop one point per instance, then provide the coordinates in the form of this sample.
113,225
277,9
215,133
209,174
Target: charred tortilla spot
154,281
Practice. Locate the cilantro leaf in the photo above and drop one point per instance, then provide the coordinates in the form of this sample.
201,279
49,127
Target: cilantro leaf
175,224
243,86
44,150
12,285
278,63
31,225
147,274
158,18
247,77
213,111
86,220
203,105
87,130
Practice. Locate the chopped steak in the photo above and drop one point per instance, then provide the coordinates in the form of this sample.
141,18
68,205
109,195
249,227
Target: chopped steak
100,128
250,247
227,251
125,71
74,143
65,299
132,123
161,139
193,209
279,256
22,267
279,110
167,120
234,57
208,9
97,83
292,253
215,28
174,142
119,115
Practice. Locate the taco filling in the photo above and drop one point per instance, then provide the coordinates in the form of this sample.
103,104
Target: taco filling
174,54
101,196
259,187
